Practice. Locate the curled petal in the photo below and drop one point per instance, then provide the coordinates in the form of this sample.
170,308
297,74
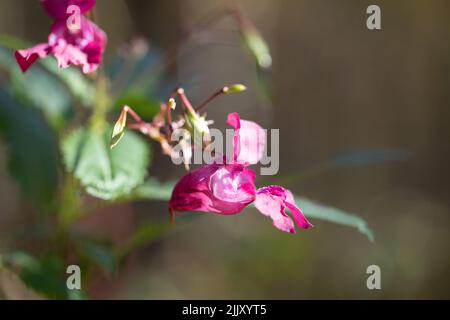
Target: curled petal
224,189
67,54
249,140
58,8
84,47
272,201
27,57
297,213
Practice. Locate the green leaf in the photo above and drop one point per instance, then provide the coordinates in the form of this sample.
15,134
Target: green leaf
45,275
38,88
315,210
106,174
32,149
154,190
79,85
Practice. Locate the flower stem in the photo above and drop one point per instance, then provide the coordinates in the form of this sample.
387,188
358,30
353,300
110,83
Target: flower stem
102,104
204,104
133,114
172,217
184,99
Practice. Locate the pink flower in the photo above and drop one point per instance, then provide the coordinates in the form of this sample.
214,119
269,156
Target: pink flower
57,9
82,47
228,188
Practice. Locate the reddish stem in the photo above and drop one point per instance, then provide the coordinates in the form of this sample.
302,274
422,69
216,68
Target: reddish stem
172,216
133,114
169,117
184,99
203,105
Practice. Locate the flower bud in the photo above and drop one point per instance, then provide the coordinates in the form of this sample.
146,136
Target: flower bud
234,88
119,128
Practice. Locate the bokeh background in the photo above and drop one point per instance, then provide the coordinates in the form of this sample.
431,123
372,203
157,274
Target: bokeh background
338,87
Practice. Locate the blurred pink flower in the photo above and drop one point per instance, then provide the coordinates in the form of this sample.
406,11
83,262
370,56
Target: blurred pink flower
58,8
81,47
229,187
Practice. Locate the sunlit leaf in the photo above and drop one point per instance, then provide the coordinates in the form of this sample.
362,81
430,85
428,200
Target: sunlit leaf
315,210
106,174
154,190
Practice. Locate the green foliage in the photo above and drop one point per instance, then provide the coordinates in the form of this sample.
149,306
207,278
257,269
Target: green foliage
315,210
81,88
154,190
45,275
32,149
37,88
106,174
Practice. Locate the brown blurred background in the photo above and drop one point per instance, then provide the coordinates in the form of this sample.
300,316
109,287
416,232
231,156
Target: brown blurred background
338,87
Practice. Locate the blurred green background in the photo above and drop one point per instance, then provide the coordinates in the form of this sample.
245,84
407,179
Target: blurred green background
337,87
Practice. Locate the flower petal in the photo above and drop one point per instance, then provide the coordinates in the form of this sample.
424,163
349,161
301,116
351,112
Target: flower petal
67,54
84,47
297,213
27,57
58,8
224,189
272,201
249,140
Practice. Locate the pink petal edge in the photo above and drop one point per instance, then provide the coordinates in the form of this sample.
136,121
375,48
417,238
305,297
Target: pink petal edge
27,57
272,201
249,140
